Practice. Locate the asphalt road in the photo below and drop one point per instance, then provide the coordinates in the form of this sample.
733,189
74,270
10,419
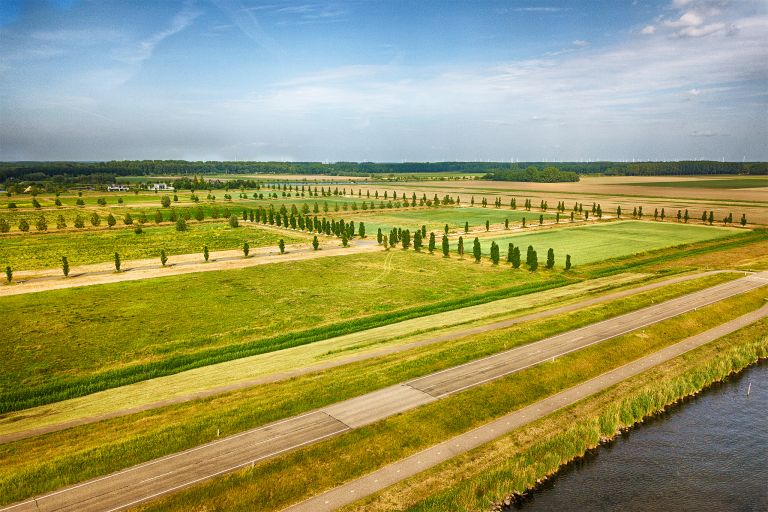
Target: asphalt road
434,455
149,480
452,335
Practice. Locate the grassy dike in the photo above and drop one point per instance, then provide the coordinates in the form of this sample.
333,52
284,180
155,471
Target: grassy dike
518,461
276,483
44,463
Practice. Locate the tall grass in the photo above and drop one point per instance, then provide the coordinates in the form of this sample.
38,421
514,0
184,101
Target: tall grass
47,462
540,460
60,389
276,483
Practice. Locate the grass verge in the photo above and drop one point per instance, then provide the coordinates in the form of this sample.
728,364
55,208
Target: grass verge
37,465
290,478
516,462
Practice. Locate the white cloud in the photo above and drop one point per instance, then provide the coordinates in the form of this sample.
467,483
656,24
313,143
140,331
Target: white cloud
688,19
648,30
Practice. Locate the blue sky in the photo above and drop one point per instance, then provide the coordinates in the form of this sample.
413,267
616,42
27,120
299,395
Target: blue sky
384,81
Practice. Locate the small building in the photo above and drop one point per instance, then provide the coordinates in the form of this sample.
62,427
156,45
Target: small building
118,188
162,187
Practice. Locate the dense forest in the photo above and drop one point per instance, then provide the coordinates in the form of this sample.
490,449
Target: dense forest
545,175
105,172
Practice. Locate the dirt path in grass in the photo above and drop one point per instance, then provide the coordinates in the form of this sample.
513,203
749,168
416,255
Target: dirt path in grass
101,273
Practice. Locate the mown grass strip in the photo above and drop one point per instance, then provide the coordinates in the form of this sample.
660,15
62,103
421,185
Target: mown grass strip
516,462
37,465
290,478
56,391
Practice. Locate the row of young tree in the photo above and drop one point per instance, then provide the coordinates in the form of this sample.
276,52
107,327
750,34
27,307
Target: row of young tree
404,238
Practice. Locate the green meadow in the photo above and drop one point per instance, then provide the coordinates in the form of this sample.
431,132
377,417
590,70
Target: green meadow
587,244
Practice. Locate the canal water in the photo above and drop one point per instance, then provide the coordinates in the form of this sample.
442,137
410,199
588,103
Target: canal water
709,453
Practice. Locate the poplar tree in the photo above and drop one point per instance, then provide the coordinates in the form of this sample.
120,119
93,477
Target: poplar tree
181,224
495,253
158,217
361,230
431,243
541,220
466,227
423,231
205,252
534,262
523,221
516,257
704,216
487,225
406,239
550,258
344,240
163,257
95,219
117,262
65,266
686,216
417,240
379,236
510,250
476,251
8,274
567,262
743,219
662,215
506,223
246,249
446,247
529,255
460,247
281,246
618,212
711,217
111,221
60,222
445,230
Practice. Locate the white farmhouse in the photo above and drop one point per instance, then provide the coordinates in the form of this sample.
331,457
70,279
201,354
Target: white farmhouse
162,187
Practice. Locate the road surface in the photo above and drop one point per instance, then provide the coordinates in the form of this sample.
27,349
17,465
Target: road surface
434,455
12,425
149,480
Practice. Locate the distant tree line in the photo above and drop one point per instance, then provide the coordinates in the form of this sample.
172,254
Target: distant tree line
546,175
105,172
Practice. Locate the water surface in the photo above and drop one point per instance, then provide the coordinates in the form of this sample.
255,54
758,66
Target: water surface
707,454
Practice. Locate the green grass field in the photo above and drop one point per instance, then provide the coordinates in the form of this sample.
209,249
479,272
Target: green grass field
707,183
44,250
91,450
290,478
587,244
436,218
177,317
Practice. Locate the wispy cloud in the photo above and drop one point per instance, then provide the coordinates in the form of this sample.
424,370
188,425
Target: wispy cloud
180,21
246,20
